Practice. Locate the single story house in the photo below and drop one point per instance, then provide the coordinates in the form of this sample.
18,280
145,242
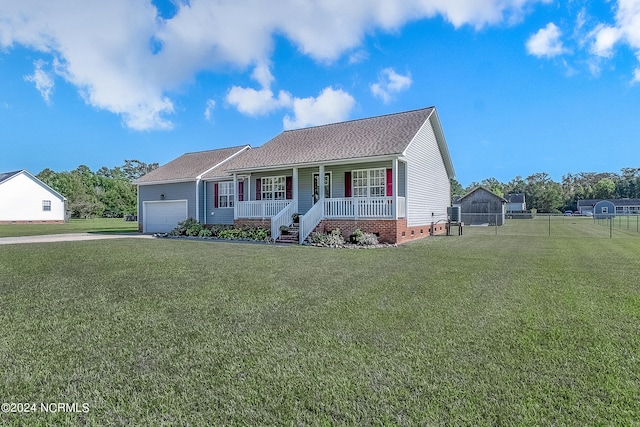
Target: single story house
388,175
516,202
481,206
613,207
25,199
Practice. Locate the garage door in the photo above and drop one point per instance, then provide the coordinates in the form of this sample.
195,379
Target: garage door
162,217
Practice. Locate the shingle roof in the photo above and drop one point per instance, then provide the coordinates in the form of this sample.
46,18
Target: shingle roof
617,202
190,166
515,197
369,137
6,175
481,188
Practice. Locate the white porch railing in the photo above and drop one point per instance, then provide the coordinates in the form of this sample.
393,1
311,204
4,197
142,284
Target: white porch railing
260,208
284,217
310,220
363,207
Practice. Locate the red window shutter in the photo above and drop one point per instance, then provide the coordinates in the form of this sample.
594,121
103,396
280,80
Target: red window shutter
258,189
215,195
289,187
389,182
240,191
347,184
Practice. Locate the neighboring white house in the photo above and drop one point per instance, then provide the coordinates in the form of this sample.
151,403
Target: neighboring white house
26,199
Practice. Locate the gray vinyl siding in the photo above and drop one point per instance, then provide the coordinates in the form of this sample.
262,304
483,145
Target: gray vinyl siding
305,189
428,188
215,215
402,179
174,191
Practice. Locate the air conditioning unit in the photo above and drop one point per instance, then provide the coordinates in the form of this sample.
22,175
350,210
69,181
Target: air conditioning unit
454,213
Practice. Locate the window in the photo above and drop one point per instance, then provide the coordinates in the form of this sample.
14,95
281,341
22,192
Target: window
605,210
225,194
273,188
46,205
369,183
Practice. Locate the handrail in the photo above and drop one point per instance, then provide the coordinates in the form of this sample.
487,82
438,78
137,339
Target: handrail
284,217
310,220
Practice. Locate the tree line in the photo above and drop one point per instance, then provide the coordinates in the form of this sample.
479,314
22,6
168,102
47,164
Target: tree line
546,195
104,193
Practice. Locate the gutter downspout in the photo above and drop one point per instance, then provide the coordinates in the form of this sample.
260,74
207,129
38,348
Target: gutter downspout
204,202
198,198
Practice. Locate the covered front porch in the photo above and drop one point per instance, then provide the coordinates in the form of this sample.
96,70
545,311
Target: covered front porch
367,190
281,212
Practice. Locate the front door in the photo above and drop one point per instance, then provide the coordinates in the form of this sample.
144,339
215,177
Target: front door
316,187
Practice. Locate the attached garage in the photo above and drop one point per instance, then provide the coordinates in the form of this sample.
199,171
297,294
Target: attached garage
163,216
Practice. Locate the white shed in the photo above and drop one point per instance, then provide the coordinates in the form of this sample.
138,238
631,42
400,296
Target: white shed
26,199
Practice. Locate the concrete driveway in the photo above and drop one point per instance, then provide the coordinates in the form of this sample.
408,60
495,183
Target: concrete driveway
71,237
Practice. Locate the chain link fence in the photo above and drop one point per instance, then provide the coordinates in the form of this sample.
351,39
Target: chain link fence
541,224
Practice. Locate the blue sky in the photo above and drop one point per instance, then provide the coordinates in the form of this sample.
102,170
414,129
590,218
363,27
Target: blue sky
521,86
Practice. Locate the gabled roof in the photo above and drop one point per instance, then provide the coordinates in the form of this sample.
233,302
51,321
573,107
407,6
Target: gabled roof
380,136
192,166
8,175
478,188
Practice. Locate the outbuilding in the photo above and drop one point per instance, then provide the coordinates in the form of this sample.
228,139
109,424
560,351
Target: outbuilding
482,207
604,209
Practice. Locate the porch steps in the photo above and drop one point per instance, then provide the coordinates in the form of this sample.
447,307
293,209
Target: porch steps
292,236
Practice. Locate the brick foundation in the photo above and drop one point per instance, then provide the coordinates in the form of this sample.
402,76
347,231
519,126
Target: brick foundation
387,230
245,222
49,221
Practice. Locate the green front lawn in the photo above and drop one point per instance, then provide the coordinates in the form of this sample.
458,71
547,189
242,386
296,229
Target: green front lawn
94,225
471,330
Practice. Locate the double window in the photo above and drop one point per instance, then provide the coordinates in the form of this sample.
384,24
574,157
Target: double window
369,183
225,195
273,188
46,205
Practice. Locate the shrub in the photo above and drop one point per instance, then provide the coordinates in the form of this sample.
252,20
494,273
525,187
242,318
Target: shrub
363,239
332,239
368,239
194,230
205,232
181,229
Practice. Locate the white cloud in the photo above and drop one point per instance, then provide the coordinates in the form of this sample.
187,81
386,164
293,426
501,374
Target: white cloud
258,102
211,104
122,57
625,30
43,81
636,76
332,105
604,39
546,42
390,83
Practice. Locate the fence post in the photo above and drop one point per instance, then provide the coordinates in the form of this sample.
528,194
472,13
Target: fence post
549,225
610,227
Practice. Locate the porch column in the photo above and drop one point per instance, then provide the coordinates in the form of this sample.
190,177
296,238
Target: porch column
321,182
321,187
295,188
235,196
394,184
